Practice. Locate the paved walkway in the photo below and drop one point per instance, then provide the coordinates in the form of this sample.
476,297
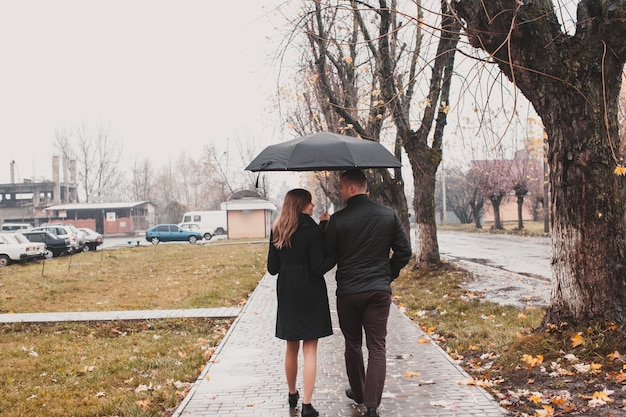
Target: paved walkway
245,376
119,315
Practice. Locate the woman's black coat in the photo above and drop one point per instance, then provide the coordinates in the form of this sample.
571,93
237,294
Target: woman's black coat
303,311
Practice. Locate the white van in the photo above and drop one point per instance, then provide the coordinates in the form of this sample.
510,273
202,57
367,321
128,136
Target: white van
214,221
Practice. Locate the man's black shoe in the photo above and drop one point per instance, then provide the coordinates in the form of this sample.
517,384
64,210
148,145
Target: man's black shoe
371,412
351,395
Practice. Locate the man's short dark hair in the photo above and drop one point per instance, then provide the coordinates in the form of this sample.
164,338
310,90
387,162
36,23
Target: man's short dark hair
355,176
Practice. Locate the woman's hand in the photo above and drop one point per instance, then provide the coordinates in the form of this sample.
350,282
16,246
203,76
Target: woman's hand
324,216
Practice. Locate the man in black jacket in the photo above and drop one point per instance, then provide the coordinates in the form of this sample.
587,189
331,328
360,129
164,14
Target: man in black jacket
361,236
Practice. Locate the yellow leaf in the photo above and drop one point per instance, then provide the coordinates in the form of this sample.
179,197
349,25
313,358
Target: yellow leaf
547,411
620,170
577,339
145,404
615,356
603,396
531,361
521,316
411,374
422,340
535,398
595,368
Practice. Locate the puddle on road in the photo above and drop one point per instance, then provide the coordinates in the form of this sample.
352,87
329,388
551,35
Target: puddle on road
488,263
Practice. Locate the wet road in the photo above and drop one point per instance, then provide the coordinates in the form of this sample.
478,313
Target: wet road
522,255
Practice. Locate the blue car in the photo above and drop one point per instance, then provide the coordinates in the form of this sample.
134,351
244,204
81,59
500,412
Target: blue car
171,233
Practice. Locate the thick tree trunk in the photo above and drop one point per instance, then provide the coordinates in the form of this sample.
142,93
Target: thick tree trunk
589,279
573,82
424,164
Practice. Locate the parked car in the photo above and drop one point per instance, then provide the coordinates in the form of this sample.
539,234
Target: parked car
64,231
55,246
206,233
16,248
92,239
14,227
171,233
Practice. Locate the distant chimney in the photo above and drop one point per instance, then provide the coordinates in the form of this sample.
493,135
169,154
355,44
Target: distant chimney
12,172
56,198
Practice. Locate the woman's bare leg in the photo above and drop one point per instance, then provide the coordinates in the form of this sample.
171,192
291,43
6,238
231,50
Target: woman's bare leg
291,364
309,351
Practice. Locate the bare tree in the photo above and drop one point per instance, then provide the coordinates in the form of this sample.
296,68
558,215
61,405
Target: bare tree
460,195
523,172
217,180
344,97
98,158
365,69
141,182
493,184
573,81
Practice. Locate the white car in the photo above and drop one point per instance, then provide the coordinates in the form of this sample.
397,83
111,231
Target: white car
207,234
65,231
14,247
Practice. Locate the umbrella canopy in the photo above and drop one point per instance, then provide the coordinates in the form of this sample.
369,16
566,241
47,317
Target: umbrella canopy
323,152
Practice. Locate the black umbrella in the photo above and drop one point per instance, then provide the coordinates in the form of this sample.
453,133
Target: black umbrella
323,152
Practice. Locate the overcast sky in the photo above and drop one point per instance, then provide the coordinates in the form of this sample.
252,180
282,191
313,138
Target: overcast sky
164,76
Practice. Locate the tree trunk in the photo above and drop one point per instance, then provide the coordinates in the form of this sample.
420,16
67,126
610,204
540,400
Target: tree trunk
573,82
589,280
390,192
424,164
496,200
424,159
477,206
520,211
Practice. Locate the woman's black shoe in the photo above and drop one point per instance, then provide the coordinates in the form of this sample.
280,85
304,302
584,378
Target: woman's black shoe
309,411
293,399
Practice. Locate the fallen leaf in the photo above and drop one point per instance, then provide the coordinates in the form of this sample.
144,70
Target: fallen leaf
531,361
141,388
577,339
547,411
145,404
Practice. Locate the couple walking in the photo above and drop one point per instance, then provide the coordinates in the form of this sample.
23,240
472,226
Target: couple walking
358,239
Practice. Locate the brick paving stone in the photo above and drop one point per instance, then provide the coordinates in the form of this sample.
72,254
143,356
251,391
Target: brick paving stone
245,376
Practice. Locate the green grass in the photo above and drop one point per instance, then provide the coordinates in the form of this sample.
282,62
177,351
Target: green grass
510,227
129,368
147,277
121,368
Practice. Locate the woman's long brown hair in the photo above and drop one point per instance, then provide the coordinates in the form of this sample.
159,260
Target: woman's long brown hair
287,223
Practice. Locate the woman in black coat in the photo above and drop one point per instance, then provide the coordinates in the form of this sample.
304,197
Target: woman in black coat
296,254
